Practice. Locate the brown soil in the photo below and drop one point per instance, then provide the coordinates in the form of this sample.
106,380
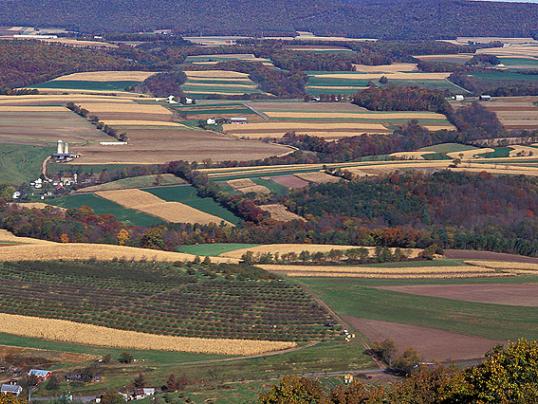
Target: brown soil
290,181
512,295
163,145
488,255
430,343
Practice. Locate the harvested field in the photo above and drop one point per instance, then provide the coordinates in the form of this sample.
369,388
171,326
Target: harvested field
505,265
432,344
358,114
127,106
164,144
43,128
107,76
290,181
60,99
36,205
248,186
280,213
318,178
419,272
7,237
392,68
418,155
508,294
451,58
134,122
40,250
489,256
70,331
303,127
216,74
32,109
523,151
146,202
469,154
327,135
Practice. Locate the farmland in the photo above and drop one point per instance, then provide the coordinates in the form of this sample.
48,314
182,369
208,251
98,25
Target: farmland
128,294
97,81
351,82
330,121
21,163
440,328
187,195
105,207
203,84
148,203
144,181
215,59
515,112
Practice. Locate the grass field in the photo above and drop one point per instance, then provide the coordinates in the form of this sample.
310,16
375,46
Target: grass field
144,181
20,163
504,76
87,85
214,59
188,196
104,207
213,249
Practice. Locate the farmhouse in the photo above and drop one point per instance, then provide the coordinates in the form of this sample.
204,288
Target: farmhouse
40,374
11,389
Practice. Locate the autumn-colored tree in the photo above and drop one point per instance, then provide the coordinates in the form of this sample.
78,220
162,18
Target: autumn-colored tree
295,390
64,238
358,393
508,375
123,236
112,397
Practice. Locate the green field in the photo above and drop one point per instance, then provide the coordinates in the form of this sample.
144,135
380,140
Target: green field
213,249
187,195
88,85
447,148
143,181
21,163
499,152
358,298
520,63
55,168
102,206
504,76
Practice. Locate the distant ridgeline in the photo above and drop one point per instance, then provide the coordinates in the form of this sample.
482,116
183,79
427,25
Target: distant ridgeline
401,19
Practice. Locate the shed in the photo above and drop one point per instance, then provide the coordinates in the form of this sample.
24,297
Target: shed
485,97
239,120
459,97
11,389
40,373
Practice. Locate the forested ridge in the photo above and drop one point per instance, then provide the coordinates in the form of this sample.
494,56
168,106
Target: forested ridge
358,18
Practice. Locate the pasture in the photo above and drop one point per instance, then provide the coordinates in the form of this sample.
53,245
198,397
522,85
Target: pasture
164,299
439,328
143,181
21,163
204,84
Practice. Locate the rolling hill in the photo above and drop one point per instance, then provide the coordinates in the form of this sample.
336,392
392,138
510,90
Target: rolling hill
358,18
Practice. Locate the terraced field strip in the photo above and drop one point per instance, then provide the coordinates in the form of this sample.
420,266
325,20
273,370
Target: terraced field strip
29,108
330,271
70,331
148,203
418,155
377,76
392,68
129,106
217,58
60,99
104,76
246,186
135,122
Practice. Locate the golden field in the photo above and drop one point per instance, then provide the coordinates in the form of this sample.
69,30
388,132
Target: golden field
126,107
28,108
173,212
390,76
392,68
213,74
355,115
136,122
107,76
70,331
280,213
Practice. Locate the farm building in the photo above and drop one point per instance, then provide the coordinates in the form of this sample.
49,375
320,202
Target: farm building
62,154
485,97
239,120
459,97
11,389
40,374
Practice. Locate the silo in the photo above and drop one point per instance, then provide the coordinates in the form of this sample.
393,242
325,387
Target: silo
66,148
60,147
